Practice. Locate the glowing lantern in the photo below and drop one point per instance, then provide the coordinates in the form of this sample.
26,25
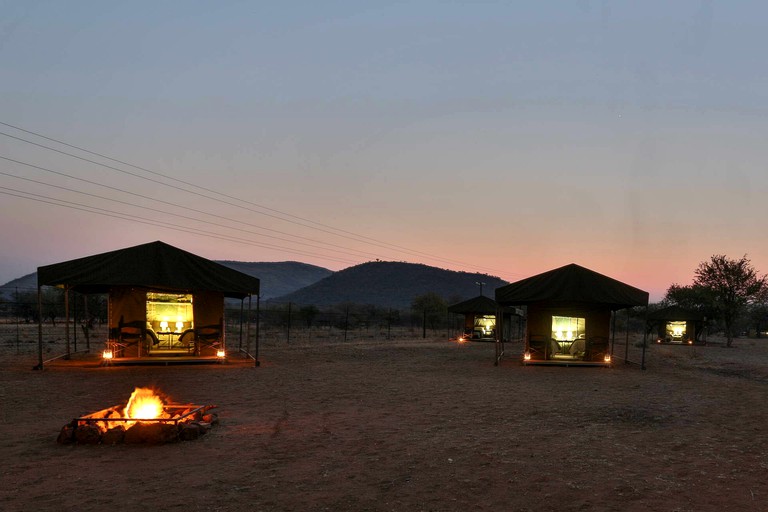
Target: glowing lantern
107,354
221,353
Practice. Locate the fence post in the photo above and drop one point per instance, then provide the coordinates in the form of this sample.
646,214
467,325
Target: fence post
18,334
346,323
288,334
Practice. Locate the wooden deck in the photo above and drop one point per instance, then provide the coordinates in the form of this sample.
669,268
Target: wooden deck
164,360
566,362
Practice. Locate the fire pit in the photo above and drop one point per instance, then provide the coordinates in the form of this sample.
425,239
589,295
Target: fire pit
144,419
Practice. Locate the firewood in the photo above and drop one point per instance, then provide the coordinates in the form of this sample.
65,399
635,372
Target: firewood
87,434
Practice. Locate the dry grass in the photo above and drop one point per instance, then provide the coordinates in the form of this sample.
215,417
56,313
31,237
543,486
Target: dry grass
402,425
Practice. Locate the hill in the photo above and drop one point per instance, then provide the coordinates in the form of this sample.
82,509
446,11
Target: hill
24,284
280,278
277,278
392,284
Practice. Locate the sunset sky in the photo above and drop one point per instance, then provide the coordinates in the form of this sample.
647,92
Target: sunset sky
502,137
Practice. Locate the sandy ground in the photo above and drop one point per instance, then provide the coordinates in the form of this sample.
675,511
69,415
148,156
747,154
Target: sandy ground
409,425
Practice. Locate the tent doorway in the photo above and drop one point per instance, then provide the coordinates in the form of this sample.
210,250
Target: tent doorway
170,323
484,327
568,338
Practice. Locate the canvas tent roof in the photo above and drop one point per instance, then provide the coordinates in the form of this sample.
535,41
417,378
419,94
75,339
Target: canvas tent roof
479,304
573,284
675,313
154,265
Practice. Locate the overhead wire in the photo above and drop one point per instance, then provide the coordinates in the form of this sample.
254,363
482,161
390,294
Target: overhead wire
373,242
134,194
313,224
336,231
152,222
354,237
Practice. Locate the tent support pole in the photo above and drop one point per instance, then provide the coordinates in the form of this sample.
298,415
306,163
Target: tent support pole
257,363
613,329
75,319
499,336
645,340
87,323
626,343
66,321
242,305
248,328
626,329
39,328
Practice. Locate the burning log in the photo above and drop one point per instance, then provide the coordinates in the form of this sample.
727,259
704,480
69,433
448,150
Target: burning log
151,433
87,434
146,419
114,435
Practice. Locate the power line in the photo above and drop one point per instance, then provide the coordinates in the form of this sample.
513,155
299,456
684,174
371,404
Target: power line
161,224
346,250
313,224
177,180
335,232
152,222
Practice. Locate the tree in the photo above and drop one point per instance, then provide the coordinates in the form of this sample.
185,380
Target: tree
308,314
432,306
53,304
758,318
25,306
733,284
696,298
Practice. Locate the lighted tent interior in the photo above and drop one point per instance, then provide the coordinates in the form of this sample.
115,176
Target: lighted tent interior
569,312
677,325
165,304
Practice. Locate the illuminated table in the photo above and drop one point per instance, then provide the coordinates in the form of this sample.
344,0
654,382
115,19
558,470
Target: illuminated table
165,337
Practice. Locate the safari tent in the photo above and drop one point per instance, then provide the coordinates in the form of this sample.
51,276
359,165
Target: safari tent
483,319
569,312
675,324
479,317
164,304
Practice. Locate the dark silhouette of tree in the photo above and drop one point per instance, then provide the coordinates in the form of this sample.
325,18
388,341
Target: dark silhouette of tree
25,306
308,314
432,306
696,298
733,285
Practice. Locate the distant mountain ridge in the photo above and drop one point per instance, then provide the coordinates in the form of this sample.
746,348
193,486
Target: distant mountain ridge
280,278
381,283
25,283
392,284
277,278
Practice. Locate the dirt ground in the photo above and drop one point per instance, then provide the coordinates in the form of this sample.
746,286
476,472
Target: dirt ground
407,425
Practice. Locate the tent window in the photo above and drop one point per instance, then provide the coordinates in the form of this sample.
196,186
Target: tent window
676,331
568,328
568,333
169,313
485,326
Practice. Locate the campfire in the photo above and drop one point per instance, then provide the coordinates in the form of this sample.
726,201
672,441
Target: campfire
145,418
